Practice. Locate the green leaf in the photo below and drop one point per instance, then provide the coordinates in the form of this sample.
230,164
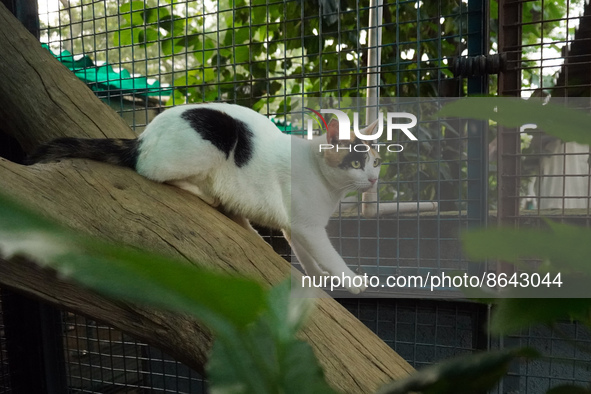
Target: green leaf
167,23
513,314
256,350
241,35
274,87
473,373
190,78
129,274
312,45
301,371
228,371
176,98
167,46
267,358
258,105
174,25
258,13
136,18
259,70
173,46
565,123
194,41
122,37
211,94
148,36
154,15
210,43
131,6
567,247
241,54
209,75
135,36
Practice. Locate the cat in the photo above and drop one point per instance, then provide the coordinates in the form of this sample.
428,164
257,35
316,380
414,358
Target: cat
237,160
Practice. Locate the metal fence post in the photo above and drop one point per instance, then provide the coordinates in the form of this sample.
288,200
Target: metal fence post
477,149
33,345
508,140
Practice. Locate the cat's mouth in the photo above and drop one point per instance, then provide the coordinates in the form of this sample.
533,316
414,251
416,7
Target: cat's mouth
368,186
365,188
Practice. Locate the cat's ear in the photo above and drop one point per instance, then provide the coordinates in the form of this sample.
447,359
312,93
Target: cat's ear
369,130
332,135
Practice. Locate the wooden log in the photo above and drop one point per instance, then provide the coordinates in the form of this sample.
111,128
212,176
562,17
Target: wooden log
40,100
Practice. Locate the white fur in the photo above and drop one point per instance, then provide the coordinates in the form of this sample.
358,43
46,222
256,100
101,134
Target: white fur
267,190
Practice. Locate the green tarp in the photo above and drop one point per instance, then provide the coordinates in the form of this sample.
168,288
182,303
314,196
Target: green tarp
105,79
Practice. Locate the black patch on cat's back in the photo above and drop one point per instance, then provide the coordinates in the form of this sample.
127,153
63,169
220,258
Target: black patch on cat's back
223,131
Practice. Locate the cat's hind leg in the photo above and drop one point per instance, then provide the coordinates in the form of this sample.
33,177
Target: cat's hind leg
196,190
241,220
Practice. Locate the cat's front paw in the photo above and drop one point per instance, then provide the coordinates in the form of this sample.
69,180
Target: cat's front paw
355,284
316,272
323,278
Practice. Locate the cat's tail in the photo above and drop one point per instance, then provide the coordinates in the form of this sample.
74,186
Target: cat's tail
121,152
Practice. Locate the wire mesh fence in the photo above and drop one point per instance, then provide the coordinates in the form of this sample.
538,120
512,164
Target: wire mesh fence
141,57
550,59
565,347
424,331
101,359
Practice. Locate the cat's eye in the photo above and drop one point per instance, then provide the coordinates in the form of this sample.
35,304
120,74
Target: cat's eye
356,164
377,162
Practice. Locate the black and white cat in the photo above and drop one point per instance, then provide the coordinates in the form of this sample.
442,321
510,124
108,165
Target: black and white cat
237,160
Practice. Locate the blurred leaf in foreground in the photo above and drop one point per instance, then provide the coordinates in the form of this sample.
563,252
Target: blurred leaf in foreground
566,247
512,314
466,374
129,274
563,248
266,358
568,124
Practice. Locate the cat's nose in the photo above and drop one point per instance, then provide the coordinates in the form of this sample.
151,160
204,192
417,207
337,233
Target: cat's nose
373,180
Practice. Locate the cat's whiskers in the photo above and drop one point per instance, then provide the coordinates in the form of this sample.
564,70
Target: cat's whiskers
353,186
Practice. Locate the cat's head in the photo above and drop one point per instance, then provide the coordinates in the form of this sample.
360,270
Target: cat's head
352,164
